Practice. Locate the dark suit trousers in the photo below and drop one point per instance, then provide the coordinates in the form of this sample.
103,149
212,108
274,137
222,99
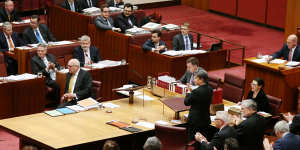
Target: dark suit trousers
56,90
12,66
207,131
73,102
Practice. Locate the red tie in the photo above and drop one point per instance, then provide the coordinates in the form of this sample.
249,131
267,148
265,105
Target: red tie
290,55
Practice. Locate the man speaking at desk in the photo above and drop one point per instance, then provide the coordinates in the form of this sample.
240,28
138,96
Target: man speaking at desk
290,51
192,65
127,19
78,84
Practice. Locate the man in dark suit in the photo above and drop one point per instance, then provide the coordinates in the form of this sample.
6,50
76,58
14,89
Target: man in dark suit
104,21
8,41
183,40
37,33
199,99
192,65
127,19
250,132
89,3
8,12
114,3
86,54
72,5
225,131
47,65
290,51
78,84
155,44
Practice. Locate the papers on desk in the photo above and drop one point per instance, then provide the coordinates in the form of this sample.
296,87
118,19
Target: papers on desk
183,52
162,122
145,97
259,60
135,31
146,124
292,63
114,9
60,43
167,79
170,27
66,110
64,70
33,45
25,76
53,113
23,47
151,26
23,21
278,61
88,103
76,108
92,10
106,63
1,24
110,105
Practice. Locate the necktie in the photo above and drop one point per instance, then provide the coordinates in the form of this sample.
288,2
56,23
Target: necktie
192,79
8,16
71,84
108,23
129,21
90,3
290,55
86,58
38,36
72,7
187,45
11,45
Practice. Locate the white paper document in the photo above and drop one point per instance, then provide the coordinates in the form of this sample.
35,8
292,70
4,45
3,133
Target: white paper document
162,122
278,61
259,60
136,93
146,124
183,52
76,108
110,105
106,63
292,63
23,47
60,43
25,76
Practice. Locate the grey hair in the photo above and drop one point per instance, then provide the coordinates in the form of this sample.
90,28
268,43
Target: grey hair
202,74
249,103
74,61
223,115
43,45
152,143
6,25
281,126
84,38
7,1
292,37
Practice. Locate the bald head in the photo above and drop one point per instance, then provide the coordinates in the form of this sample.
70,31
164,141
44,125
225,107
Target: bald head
73,66
292,41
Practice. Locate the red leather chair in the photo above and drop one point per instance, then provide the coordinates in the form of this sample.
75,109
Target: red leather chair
96,89
2,66
214,81
275,104
172,138
233,87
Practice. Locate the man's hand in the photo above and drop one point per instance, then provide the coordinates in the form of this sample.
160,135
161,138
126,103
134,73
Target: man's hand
267,144
117,29
162,47
199,137
188,87
288,117
236,119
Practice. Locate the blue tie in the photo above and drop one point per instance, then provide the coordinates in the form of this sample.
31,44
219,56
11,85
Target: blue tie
187,47
72,7
38,36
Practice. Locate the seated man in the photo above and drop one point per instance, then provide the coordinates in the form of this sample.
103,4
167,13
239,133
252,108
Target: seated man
78,84
72,5
88,3
155,44
183,40
127,19
37,33
152,143
250,132
104,21
290,51
8,41
114,3
86,54
47,65
8,12
225,131
287,141
192,65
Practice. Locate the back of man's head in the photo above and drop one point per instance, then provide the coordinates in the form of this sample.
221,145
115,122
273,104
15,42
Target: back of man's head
152,143
281,127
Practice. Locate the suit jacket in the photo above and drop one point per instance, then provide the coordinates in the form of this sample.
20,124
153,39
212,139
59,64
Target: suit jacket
13,16
15,38
66,5
261,101
79,54
199,100
187,76
250,133
284,52
178,42
148,45
111,3
83,85
38,65
289,142
101,23
218,139
84,4
121,22
30,38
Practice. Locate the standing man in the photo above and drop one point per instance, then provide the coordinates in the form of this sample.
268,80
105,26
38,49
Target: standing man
9,40
8,12
199,99
72,5
183,40
47,65
290,51
104,21
192,65
127,19
155,44
37,33
86,54
78,84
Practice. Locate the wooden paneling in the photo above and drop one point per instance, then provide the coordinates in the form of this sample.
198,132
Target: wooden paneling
200,4
292,17
254,10
276,13
224,6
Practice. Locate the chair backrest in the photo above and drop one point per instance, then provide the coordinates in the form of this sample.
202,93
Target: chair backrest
213,81
298,34
233,87
172,138
275,104
2,65
96,88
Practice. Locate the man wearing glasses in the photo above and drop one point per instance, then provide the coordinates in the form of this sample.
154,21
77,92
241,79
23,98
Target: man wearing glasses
78,84
104,21
127,19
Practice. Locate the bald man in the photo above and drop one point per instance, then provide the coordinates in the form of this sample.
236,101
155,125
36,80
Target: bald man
78,84
8,12
290,51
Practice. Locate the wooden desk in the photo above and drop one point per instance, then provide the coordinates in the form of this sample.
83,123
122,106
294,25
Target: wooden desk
279,83
143,64
22,97
110,77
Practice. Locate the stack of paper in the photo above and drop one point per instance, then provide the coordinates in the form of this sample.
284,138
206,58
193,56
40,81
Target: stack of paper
60,43
259,60
135,31
66,111
53,113
292,63
278,61
167,79
106,63
76,108
25,76
146,124
183,52
92,10
23,47
88,103
110,105
114,9
151,26
170,27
